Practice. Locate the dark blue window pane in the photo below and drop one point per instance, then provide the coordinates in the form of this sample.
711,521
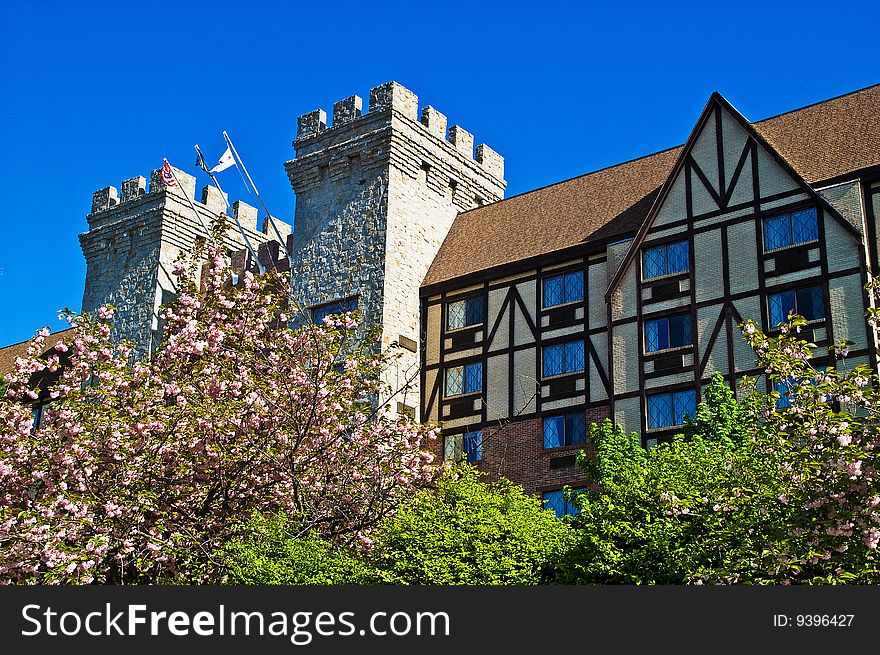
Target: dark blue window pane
665,260
782,386
473,377
574,286
659,410
804,226
679,257
680,330
574,356
790,229
553,360
777,232
340,307
555,500
780,304
811,303
570,508
656,335
663,334
554,431
554,290
684,403
654,262
653,330
575,428
567,430
473,446
462,313
474,311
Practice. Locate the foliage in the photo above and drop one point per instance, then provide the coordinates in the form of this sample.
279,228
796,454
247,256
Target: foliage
826,445
139,471
264,551
660,516
752,492
469,532
720,417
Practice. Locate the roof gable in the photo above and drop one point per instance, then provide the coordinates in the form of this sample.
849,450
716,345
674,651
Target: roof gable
724,163
832,140
9,354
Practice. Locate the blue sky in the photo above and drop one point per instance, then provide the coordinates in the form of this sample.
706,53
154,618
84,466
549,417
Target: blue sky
94,93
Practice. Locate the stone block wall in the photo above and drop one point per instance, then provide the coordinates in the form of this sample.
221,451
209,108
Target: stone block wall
376,193
133,240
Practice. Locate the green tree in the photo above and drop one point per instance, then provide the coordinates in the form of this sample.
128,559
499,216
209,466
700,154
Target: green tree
690,510
720,417
469,532
266,551
825,441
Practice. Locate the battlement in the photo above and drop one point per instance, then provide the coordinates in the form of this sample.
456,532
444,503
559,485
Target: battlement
212,201
135,187
392,97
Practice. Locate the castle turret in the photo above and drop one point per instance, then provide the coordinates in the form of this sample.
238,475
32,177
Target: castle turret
134,238
376,193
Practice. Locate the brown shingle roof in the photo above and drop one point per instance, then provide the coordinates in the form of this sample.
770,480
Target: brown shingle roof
821,142
9,354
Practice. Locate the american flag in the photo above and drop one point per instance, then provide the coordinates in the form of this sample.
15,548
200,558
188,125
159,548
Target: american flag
167,175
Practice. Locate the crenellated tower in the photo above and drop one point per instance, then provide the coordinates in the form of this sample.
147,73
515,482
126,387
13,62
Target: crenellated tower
134,238
376,193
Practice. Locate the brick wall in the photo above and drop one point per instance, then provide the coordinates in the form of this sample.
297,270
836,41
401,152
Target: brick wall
516,451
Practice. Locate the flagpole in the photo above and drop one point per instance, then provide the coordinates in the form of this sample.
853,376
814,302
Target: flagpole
282,242
241,231
185,195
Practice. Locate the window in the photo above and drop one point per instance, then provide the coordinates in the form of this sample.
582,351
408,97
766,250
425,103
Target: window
463,313
406,410
464,379
467,445
668,332
555,500
809,302
783,387
563,358
565,288
790,229
337,307
667,259
787,386
669,409
566,430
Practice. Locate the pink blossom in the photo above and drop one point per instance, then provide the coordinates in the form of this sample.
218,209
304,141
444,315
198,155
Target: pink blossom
119,463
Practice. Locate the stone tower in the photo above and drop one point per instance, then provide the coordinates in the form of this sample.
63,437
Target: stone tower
134,238
376,193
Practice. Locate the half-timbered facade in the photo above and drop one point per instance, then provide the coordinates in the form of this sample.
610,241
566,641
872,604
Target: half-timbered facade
621,292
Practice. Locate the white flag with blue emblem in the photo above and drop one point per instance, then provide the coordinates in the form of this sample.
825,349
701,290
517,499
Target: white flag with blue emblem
226,160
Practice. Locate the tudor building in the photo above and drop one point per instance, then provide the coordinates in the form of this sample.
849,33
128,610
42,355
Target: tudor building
619,293
615,294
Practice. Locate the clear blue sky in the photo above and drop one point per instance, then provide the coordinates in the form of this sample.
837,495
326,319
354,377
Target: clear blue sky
94,93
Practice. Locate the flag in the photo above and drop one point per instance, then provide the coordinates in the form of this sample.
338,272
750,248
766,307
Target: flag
200,161
226,160
168,175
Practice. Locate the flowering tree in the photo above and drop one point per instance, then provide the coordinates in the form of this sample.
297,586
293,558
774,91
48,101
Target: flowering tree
826,443
756,492
138,471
